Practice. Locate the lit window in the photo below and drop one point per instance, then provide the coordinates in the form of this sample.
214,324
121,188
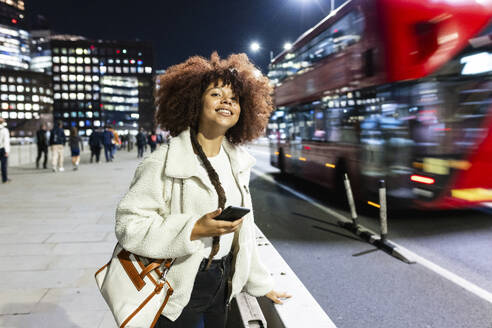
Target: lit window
20,106
80,87
87,60
140,69
72,69
102,69
125,61
13,106
148,70
95,69
4,96
110,69
80,96
80,69
35,98
81,124
20,88
133,70
5,105
110,61
125,70
65,95
71,60
95,60
89,114
28,116
12,88
88,78
13,115
63,60
88,96
12,98
4,88
80,60
118,69
20,115
57,95
86,51
72,78
118,61
63,68
28,106
97,123
19,79
56,60
35,106
20,97
64,77
56,87
87,69
95,78
73,96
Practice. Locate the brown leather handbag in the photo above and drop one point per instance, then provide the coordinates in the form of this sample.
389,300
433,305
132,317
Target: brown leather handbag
135,288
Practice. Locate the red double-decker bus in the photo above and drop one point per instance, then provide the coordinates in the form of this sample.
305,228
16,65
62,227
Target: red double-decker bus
394,90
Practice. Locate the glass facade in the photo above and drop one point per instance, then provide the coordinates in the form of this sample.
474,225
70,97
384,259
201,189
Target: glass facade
101,83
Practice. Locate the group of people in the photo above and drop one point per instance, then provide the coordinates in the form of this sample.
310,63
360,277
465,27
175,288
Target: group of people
54,140
152,140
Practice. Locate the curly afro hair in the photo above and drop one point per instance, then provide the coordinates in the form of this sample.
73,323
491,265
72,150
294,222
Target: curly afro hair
179,94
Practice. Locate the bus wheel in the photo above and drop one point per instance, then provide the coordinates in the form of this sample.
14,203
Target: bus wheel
281,162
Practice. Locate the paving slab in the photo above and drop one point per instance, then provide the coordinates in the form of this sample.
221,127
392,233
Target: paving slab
56,230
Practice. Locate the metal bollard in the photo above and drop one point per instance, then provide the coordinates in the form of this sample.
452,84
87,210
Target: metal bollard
350,198
383,210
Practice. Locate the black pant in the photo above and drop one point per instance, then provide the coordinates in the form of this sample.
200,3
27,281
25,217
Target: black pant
95,151
42,150
208,298
140,151
3,163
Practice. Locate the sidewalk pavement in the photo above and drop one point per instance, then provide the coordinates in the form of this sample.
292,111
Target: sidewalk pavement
56,230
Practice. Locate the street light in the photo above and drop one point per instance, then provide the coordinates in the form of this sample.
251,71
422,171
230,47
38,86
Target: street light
255,46
287,46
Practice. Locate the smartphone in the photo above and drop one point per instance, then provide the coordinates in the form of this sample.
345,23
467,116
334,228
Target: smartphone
232,213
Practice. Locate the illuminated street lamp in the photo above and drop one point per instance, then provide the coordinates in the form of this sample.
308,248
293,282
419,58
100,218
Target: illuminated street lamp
255,46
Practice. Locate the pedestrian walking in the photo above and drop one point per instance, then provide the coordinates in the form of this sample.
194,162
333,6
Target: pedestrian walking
115,143
152,140
4,149
42,143
95,143
131,141
57,143
108,139
76,144
210,107
141,142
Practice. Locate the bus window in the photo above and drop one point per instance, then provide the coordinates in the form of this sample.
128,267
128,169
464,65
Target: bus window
305,121
319,125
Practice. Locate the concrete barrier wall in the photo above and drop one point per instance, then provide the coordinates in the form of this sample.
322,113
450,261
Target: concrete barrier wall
27,153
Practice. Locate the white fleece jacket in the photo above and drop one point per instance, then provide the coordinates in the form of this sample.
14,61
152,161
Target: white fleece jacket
167,196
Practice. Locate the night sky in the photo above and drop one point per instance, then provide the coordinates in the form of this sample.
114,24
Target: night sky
179,29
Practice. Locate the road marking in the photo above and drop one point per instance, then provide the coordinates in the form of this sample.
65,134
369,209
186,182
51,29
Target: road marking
469,286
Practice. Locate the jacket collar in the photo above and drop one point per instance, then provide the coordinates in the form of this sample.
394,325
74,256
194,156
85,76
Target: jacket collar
181,161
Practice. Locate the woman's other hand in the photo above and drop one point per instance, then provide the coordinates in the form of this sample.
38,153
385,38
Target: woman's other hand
275,296
207,226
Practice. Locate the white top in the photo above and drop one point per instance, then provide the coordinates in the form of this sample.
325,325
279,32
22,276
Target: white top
4,139
222,166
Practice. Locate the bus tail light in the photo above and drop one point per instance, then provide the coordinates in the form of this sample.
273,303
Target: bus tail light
422,179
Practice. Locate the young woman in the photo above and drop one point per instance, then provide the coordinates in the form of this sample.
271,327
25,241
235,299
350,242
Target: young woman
74,141
210,107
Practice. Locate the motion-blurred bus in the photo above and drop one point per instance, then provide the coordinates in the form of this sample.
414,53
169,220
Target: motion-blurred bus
394,90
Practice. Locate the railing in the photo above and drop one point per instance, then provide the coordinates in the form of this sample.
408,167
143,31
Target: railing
27,153
301,310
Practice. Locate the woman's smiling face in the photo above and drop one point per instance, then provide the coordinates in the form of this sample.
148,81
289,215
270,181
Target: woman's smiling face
220,109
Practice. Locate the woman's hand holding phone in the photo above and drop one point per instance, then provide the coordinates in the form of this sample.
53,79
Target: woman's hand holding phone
208,226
